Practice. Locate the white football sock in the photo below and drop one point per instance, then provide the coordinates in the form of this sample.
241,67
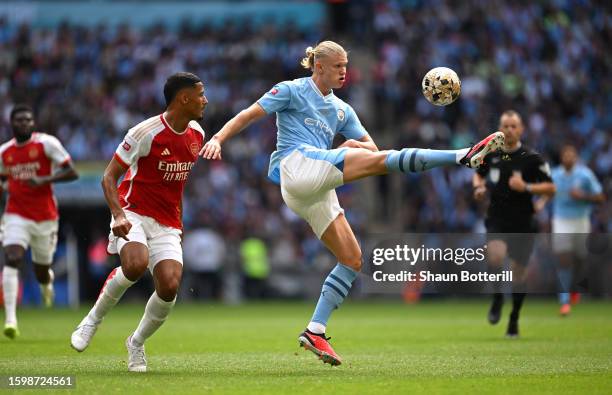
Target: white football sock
114,288
460,154
10,284
316,327
156,312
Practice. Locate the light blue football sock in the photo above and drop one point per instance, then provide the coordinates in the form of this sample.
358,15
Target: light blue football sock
415,160
335,288
565,282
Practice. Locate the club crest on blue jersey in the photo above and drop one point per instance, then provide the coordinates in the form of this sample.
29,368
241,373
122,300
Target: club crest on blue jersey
340,115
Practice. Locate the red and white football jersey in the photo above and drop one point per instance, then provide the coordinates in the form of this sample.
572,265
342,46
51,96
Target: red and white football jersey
39,156
158,160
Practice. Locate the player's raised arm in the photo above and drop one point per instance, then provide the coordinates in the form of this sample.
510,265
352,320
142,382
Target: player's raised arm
212,149
111,176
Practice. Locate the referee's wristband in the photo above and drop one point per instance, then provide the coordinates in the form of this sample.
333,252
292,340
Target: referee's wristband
528,188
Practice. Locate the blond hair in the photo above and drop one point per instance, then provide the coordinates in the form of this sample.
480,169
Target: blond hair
323,49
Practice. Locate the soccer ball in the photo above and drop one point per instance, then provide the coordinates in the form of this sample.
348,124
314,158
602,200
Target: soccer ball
441,86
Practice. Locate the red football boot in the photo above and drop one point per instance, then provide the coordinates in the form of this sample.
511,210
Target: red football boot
319,345
565,310
491,143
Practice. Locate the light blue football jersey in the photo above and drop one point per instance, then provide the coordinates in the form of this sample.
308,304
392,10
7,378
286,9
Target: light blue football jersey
580,177
306,118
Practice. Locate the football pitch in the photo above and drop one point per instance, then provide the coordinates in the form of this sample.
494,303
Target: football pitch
387,348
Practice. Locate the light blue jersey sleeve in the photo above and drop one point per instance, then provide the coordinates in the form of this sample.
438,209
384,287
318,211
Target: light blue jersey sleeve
593,186
352,128
276,99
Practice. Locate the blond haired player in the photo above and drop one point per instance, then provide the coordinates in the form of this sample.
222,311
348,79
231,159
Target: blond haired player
308,171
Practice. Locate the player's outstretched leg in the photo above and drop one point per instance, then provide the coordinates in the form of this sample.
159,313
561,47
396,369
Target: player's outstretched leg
417,160
167,274
10,284
360,163
115,286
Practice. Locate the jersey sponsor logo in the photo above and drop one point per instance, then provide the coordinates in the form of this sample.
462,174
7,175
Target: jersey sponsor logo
195,148
126,146
24,171
319,125
165,152
274,91
340,115
174,166
175,171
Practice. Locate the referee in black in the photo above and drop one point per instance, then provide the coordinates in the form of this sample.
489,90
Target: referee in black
512,176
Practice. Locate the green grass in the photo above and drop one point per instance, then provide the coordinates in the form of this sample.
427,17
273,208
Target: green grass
388,348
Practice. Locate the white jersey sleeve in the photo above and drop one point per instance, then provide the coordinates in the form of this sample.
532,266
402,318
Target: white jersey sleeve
3,148
54,150
196,126
137,141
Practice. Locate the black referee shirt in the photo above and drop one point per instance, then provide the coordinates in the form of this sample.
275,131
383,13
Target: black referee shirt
507,204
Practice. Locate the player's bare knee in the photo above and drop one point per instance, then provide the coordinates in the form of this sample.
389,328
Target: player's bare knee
134,267
14,260
134,261
168,289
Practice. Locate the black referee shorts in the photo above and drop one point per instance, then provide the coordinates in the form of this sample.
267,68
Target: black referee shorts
518,236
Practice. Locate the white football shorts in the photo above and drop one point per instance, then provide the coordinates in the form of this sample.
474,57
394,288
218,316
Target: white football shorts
40,236
570,235
309,177
163,242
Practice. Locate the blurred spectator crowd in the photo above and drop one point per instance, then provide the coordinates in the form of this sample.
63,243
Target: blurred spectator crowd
547,60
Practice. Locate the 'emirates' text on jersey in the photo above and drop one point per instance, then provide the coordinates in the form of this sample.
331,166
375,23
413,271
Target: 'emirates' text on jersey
158,160
39,156
507,204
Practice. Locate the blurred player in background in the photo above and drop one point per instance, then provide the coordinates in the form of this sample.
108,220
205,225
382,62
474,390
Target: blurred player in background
31,161
577,191
309,115
512,176
156,157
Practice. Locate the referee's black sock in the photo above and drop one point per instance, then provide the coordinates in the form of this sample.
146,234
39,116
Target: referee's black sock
517,303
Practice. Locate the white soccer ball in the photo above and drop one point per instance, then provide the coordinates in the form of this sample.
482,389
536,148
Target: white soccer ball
441,86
